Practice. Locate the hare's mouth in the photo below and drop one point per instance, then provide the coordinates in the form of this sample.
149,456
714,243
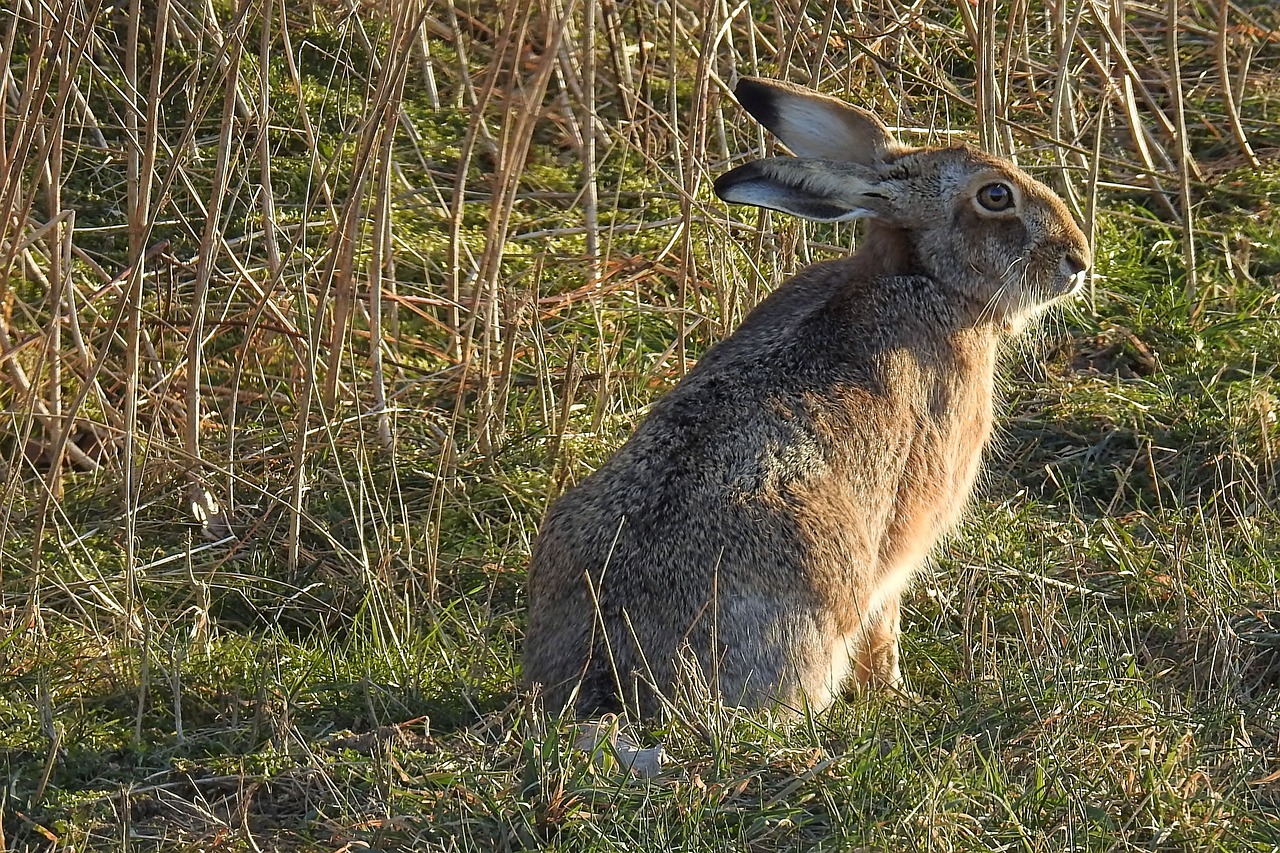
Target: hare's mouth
1067,283
1075,283
1073,272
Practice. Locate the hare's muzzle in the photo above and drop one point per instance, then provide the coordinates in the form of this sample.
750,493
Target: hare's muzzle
1073,268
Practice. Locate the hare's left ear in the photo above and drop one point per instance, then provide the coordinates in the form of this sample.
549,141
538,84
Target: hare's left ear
820,190
815,125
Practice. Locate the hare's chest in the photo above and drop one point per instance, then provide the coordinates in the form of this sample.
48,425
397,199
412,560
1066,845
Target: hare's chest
935,489
961,461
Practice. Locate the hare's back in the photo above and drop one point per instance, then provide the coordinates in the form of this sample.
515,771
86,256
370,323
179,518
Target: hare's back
628,562
788,406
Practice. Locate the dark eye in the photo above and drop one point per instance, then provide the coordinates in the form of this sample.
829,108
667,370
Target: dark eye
996,197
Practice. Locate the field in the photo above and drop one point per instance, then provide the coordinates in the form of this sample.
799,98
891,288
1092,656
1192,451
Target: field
309,309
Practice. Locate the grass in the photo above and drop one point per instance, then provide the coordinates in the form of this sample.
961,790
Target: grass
308,310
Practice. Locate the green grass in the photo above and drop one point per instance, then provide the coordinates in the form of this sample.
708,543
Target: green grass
1095,661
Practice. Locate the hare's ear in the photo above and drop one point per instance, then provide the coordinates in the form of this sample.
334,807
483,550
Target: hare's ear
821,190
815,125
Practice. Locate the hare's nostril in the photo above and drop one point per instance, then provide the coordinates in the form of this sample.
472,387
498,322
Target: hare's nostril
1074,264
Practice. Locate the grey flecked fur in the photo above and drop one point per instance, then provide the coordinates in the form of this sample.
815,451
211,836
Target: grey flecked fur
765,518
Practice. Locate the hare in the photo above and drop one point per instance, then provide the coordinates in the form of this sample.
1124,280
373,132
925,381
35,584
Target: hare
758,530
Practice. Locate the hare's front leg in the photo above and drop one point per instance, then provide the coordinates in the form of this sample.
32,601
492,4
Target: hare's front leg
876,663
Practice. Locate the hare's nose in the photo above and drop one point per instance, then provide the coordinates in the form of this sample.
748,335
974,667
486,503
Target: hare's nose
1074,264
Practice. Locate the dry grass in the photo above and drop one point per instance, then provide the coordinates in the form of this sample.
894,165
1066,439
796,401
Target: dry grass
308,310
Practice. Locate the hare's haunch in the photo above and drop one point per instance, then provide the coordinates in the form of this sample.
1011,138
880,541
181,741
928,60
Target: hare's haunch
754,536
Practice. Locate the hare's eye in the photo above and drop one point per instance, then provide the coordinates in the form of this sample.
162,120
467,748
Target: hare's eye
996,197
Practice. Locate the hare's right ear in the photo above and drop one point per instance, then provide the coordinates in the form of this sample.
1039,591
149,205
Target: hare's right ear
815,125
820,190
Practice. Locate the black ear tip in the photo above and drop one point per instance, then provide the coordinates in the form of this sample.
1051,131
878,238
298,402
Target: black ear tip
747,85
756,97
727,182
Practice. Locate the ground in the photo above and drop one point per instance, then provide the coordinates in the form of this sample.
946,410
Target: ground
310,310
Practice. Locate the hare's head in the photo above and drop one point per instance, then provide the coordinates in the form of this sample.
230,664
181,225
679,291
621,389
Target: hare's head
1002,239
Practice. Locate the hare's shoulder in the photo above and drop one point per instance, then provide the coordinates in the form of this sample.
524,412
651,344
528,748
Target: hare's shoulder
815,370
800,295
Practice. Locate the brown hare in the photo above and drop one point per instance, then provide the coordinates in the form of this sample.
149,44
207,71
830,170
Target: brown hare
758,530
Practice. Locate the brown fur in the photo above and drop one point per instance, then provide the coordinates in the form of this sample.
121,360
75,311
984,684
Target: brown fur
765,519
